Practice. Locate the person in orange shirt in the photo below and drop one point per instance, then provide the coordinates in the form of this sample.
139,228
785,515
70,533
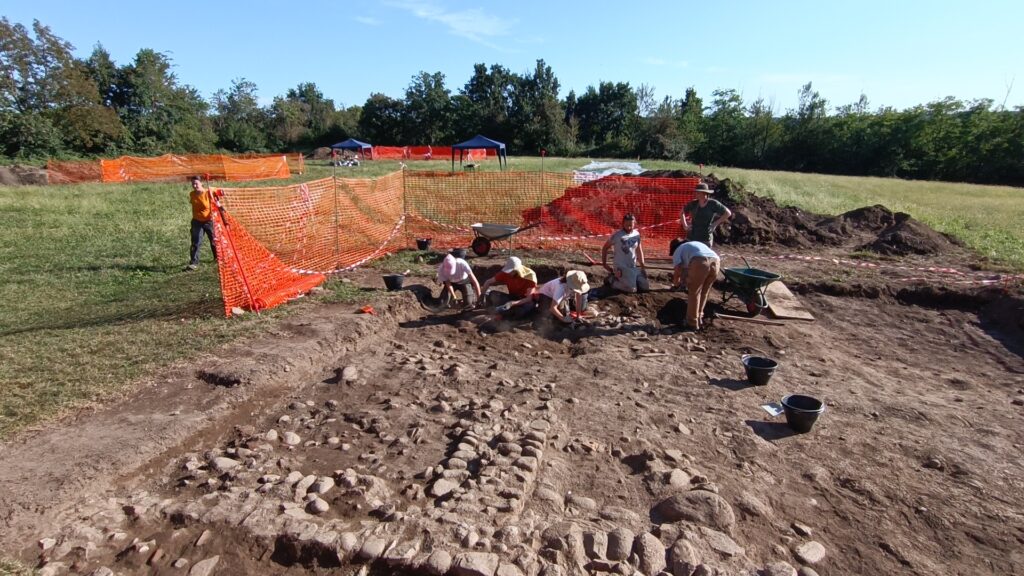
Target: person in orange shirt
202,221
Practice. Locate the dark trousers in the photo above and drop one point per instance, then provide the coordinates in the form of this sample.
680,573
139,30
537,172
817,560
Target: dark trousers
197,239
519,312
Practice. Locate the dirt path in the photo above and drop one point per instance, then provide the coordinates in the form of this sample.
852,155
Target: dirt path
618,447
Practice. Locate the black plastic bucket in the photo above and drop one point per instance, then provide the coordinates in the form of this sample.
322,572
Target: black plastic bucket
459,253
393,281
759,369
802,411
423,243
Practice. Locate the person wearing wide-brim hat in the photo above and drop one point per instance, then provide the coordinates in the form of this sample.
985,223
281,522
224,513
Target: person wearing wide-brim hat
702,216
559,296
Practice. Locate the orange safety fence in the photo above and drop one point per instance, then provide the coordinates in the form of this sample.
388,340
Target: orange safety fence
174,167
278,238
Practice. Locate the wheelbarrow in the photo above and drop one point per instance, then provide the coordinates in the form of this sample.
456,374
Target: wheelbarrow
748,284
484,234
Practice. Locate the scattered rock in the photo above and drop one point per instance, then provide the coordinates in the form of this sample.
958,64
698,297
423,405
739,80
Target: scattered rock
595,544
372,548
779,569
720,542
223,464
475,564
437,563
204,567
318,506
348,374
291,438
651,553
802,529
682,558
697,506
806,571
442,487
180,563
810,552
620,543
753,505
322,485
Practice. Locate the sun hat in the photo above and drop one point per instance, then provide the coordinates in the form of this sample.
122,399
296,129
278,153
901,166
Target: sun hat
702,188
577,281
512,264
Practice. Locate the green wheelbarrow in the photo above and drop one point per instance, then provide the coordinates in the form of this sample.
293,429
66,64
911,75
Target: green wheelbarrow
748,284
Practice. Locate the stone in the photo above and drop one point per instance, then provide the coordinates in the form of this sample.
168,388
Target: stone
802,529
204,567
372,548
322,485
650,553
291,438
349,374
697,506
682,429
753,505
180,563
204,538
705,570
293,477
682,560
676,478
508,570
318,506
779,569
102,571
595,544
810,552
721,543
271,436
348,542
805,571
475,564
223,464
581,502
619,515
442,487
437,563
620,544
302,486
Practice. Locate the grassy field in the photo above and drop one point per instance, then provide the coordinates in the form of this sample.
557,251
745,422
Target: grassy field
95,297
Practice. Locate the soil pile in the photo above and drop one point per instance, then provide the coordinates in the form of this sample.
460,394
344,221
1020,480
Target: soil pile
19,175
761,221
322,153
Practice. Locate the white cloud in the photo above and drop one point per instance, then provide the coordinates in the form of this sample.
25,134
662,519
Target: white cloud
368,20
654,61
473,24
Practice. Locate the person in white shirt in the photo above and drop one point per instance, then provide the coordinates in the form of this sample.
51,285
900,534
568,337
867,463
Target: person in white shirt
555,296
697,265
455,273
629,274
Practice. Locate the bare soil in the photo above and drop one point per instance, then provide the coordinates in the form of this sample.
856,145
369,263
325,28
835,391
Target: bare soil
19,175
449,443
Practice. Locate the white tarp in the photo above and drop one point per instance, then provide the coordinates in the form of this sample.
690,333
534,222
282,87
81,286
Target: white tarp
597,170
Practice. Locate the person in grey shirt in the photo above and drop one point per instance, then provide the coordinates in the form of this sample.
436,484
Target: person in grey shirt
697,265
629,273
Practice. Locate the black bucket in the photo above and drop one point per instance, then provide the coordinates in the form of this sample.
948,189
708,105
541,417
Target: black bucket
759,369
802,411
459,253
423,243
393,281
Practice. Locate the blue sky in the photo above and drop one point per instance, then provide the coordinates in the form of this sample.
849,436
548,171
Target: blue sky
899,53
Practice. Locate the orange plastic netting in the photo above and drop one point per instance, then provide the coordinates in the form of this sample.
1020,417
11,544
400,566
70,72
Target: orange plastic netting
279,237
175,167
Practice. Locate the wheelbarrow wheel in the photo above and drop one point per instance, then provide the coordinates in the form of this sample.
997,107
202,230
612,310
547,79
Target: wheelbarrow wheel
755,304
481,246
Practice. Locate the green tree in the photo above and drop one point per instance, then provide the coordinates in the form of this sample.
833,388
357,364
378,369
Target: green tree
608,118
240,122
428,109
382,120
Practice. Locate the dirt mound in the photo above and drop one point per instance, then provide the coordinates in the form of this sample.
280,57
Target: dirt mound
322,153
19,175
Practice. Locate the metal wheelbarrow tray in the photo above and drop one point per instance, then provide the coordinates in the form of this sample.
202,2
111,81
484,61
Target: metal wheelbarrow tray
486,233
748,284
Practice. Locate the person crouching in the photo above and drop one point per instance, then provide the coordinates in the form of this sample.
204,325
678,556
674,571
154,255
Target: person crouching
561,296
455,273
697,265
521,283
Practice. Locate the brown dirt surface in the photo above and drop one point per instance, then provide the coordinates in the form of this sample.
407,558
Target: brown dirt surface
19,175
446,442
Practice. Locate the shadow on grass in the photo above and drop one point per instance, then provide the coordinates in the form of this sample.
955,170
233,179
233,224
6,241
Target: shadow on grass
187,310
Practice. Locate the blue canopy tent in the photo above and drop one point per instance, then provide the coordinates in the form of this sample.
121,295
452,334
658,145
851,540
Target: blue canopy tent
477,142
353,144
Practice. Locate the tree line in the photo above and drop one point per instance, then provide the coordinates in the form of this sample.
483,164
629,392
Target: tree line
53,104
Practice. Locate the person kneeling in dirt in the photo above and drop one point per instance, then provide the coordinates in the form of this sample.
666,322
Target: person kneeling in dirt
555,296
455,273
697,265
629,274
521,283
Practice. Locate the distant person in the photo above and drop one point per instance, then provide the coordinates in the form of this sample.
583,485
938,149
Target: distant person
564,297
521,283
455,274
702,216
629,273
696,265
202,221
